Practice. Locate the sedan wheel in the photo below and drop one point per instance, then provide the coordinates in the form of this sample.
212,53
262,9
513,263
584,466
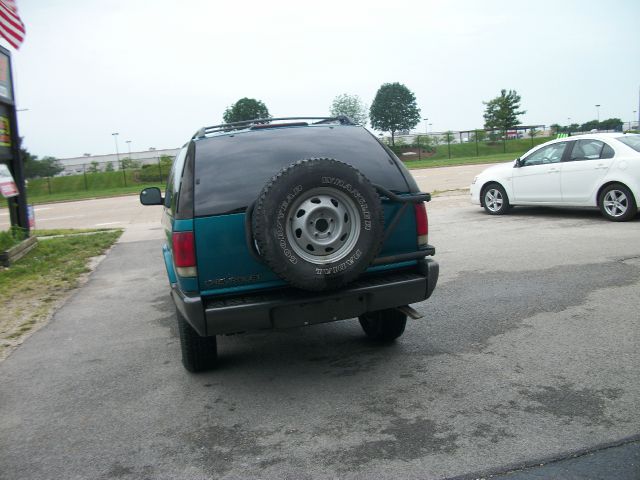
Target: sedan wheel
495,200
616,203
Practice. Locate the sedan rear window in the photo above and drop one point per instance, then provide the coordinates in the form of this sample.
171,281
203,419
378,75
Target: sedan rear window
632,141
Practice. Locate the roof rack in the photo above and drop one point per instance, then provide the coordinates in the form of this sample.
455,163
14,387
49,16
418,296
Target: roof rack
261,123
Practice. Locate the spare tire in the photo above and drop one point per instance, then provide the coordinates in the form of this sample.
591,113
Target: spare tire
318,224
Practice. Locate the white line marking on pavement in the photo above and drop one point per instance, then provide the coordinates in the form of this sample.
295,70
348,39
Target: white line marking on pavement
40,209
103,224
57,218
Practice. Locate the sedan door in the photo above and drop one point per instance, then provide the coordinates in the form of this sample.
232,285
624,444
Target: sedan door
583,170
537,179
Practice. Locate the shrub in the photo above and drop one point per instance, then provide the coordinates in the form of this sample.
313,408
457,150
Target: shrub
11,237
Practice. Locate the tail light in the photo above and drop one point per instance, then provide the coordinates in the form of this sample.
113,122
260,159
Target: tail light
184,254
422,224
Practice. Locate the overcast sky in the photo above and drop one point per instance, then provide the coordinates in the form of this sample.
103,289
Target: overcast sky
157,71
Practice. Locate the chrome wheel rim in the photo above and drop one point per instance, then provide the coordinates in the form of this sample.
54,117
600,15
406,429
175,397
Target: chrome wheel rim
493,199
323,225
615,203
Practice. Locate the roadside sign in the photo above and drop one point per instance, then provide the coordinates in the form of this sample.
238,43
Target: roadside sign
8,186
31,216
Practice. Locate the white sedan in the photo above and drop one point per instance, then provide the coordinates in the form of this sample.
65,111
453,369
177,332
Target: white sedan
594,170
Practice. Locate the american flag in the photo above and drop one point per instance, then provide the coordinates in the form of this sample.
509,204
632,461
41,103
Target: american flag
11,27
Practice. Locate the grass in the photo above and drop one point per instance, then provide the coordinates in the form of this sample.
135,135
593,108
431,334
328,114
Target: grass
450,162
56,232
38,197
32,288
89,182
10,238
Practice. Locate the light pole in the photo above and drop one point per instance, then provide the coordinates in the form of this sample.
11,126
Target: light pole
426,127
115,137
124,174
128,142
598,111
633,119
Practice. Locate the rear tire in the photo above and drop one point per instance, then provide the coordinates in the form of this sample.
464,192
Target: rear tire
495,200
617,204
198,353
383,325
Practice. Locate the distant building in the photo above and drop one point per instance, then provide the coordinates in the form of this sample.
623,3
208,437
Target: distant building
75,165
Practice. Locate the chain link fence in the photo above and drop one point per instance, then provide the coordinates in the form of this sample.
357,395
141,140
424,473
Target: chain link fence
468,143
109,175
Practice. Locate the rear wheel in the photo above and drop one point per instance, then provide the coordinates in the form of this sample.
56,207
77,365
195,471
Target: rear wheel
616,203
198,353
495,200
383,325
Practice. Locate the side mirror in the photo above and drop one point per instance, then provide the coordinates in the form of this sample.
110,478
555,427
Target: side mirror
151,196
518,163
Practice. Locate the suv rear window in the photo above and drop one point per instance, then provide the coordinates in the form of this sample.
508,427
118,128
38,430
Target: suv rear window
632,141
230,170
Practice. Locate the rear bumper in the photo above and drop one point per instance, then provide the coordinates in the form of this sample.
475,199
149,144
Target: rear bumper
292,308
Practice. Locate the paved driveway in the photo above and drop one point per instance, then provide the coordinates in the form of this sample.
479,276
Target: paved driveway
529,350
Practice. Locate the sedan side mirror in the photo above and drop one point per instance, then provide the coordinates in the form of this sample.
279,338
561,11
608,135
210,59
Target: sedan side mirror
518,163
151,196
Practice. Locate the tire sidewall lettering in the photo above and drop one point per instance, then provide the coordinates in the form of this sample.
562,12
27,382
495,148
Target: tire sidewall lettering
280,228
353,192
341,267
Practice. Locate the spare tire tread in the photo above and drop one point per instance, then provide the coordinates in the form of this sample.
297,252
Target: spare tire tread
281,268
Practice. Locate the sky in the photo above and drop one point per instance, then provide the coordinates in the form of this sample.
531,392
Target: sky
155,72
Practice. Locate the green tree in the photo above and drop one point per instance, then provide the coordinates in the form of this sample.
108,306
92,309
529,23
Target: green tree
533,131
448,136
109,167
245,109
93,167
611,124
478,135
45,167
394,108
590,125
34,167
350,106
166,160
425,142
502,112
128,163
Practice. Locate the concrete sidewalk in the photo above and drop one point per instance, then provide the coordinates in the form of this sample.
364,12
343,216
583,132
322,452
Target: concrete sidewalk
443,179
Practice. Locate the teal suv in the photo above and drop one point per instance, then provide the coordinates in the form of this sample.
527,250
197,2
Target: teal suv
280,223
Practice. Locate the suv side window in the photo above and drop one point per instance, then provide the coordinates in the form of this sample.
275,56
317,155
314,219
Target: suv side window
590,150
549,154
173,182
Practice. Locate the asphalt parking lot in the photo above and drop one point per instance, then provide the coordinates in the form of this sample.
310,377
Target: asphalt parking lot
528,353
